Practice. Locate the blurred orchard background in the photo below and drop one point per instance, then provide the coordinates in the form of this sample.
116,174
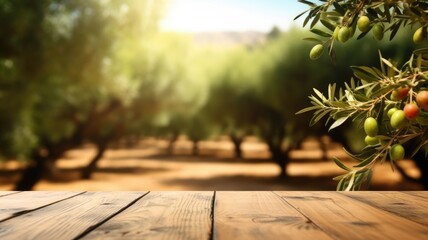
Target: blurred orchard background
172,95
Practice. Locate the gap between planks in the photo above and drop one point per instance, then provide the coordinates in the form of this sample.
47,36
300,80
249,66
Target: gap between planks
166,215
6,193
67,219
212,215
346,218
20,203
91,228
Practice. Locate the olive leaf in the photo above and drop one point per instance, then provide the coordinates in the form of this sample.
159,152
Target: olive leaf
320,32
340,164
337,123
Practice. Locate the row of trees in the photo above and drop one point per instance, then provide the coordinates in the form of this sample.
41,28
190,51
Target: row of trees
99,71
260,90
69,74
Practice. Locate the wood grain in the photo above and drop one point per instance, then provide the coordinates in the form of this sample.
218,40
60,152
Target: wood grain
161,215
19,203
260,215
421,194
346,218
69,218
410,207
234,215
5,193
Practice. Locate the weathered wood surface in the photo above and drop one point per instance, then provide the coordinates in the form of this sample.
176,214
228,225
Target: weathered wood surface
213,215
347,218
66,219
162,215
20,203
4,193
414,209
255,215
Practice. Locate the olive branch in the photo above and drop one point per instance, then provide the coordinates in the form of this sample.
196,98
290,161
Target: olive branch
369,96
372,94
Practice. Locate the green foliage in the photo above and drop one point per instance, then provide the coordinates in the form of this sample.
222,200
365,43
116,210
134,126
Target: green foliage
59,69
369,93
383,17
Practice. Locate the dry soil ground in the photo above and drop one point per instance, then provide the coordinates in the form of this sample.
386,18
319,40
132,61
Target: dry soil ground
147,167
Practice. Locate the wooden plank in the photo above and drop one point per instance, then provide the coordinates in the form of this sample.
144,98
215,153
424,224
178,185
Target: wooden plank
260,215
405,205
69,218
346,218
166,215
23,202
5,193
421,194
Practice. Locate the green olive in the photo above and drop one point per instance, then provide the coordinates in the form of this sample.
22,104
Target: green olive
371,140
420,35
316,51
397,152
392,111
336,33
344,34
363,24
378,31
371,127
394,96
398,119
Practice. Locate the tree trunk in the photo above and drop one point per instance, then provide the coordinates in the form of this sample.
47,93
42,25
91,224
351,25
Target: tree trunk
422,163
274,137
195,148
323,147
237,142
32,174
172,140
88,170
281,158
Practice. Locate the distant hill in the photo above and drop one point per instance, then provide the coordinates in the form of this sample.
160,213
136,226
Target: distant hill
229,38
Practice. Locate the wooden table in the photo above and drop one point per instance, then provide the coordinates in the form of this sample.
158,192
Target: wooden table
214,215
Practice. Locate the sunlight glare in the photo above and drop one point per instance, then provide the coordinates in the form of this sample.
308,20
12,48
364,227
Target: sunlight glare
211,16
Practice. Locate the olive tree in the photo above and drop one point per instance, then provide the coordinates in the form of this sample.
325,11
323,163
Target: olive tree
58,78
233,94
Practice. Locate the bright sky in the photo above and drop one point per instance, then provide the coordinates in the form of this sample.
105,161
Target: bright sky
230,15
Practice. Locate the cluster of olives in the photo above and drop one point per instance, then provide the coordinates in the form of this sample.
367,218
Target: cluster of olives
396,152
411,110
344,33
398,118
363,25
